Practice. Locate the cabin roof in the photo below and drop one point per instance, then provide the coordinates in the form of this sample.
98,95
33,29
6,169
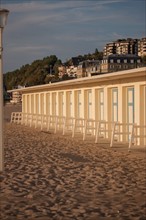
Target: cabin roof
99,79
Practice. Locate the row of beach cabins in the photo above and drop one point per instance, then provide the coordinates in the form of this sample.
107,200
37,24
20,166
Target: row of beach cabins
102,131
109,107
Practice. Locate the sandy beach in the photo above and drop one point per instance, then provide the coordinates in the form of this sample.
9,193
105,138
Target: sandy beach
53,177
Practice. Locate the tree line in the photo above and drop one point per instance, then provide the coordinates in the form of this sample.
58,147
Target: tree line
41,71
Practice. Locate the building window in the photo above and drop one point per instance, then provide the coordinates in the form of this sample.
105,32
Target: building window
118,61
125,60
131,61
138,61
111,61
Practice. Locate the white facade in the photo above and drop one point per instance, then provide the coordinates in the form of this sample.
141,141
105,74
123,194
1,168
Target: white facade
16,97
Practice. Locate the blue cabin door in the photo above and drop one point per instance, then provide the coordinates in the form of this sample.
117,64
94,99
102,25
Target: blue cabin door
115,104
130,105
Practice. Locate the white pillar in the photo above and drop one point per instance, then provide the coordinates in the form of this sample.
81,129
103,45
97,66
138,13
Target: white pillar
45,109
39,103
73,103
29,103
56,103
65,103
34,103
82,113
120,104
137,103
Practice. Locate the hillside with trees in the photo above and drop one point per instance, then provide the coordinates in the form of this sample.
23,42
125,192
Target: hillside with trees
33,74
41,71
90,56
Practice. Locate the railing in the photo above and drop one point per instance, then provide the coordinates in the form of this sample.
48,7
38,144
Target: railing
138,135
45,122
90,128
16,117
59,123
69,123
52,122
103,131
79,126
121,133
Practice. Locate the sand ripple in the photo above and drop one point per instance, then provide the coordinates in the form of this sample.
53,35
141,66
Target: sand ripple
53,177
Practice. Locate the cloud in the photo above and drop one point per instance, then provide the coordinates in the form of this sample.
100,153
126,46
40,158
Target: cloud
32,48
39,27
58,13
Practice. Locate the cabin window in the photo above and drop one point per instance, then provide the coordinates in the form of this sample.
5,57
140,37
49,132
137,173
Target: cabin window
115,104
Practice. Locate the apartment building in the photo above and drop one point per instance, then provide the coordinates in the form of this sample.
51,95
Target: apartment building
126,46
71,71
109,49
16,97
61,70
142,47
88,68
119,62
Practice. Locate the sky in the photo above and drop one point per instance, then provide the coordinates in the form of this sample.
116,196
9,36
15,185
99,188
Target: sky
67,28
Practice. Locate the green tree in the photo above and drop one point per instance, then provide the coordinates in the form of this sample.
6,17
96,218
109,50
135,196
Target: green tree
32,74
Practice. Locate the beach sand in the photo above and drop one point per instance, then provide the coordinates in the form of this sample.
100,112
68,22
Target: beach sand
53,177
